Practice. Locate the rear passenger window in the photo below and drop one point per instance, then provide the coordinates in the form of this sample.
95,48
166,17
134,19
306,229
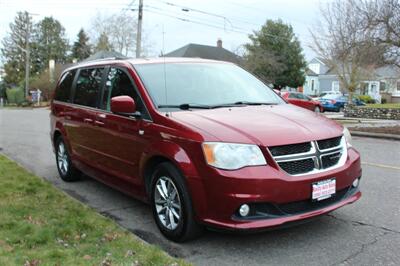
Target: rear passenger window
88,86
63,91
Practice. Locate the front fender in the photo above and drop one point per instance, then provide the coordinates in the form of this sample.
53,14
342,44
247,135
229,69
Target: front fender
177,155
172,152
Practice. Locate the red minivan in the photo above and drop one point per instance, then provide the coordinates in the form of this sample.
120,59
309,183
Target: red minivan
204,142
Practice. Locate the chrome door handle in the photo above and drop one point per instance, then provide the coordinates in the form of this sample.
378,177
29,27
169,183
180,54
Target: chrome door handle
99,123
87,120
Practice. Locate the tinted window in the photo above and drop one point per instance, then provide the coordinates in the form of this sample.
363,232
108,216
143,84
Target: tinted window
118,83
88,86
63,90
293,96
203,83
302,96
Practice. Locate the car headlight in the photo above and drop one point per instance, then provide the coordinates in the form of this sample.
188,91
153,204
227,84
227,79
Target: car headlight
347,137
232,156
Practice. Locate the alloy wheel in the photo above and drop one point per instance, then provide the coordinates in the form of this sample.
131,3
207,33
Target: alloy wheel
62,158
167,203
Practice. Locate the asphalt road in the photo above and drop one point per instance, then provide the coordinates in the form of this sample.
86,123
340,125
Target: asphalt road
365,233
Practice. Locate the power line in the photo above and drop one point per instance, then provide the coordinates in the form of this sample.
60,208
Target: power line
186,9
194,22
184,16
233,28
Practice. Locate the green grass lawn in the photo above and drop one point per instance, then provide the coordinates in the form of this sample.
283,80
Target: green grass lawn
40,225
385,105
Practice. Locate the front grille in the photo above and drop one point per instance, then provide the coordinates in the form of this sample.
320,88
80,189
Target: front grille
290,149
330,159
298,167
328,143
314,156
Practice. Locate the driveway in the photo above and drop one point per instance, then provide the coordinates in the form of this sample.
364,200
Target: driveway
365,233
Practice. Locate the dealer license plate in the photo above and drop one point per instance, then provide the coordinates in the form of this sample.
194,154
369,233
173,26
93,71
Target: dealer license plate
323,189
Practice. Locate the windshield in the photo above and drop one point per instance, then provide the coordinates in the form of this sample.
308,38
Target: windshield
207,84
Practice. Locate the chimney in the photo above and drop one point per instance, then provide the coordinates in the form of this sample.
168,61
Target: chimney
219,43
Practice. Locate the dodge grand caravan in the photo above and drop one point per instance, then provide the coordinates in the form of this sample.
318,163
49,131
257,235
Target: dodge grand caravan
204,142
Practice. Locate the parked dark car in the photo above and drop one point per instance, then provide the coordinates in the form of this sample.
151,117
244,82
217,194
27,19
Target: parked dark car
303,101
337,104
204,142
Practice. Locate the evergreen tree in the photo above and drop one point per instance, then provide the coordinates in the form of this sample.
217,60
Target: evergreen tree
51,42
14,45
275,55
81,48
103,43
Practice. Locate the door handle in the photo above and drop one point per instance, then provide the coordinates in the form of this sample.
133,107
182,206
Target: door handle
99,123
87,120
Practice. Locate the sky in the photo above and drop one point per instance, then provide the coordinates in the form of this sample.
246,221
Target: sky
229,20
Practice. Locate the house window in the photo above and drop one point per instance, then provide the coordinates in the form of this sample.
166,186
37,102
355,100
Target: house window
398,85
335,86
315,68
312,85
373,89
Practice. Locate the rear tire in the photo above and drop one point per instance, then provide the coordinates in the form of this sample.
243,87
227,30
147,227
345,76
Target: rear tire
66,170
172,205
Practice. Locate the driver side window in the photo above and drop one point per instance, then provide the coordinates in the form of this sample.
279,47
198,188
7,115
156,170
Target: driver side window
118,83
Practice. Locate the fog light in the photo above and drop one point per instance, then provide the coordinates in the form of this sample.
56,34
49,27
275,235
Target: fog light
356,182
244,210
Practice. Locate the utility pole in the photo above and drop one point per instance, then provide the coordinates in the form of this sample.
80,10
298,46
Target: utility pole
139,30
26,50
27,60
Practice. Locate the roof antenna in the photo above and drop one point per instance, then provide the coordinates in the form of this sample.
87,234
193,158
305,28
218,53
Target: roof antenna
165,71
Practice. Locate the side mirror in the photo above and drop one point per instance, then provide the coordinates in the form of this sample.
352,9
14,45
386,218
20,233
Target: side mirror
124,105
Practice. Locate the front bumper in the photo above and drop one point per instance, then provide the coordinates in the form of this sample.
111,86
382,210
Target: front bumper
223,192
257,224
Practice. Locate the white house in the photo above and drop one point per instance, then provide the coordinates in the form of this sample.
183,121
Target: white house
320,78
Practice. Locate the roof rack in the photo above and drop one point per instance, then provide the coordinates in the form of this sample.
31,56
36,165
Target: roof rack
104,59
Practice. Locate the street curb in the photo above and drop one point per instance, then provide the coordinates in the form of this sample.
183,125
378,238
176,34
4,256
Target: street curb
375,135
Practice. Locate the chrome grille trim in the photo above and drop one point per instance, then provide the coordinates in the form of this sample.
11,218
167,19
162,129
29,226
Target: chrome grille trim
316,154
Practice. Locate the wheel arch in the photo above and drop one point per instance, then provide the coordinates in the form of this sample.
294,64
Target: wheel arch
166,152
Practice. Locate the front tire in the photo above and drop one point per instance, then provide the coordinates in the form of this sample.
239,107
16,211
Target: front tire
172,205
66,170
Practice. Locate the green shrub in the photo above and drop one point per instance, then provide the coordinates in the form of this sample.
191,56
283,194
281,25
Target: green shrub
15,96
366,98
383,101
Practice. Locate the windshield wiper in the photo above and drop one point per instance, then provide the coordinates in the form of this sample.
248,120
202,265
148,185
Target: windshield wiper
186,106
241,103
253,103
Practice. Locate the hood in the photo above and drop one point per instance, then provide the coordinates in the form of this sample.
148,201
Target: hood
262,125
